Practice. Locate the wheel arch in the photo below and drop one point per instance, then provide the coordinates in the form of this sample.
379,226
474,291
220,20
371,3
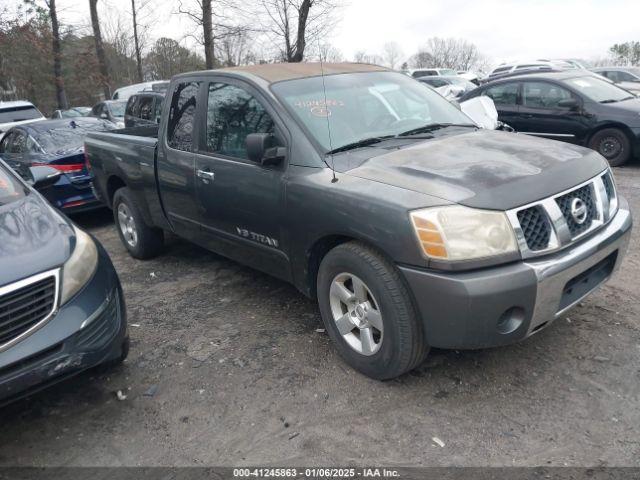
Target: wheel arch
618,126
114,183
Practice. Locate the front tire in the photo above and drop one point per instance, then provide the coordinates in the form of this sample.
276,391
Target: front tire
612,144
140,240
368,312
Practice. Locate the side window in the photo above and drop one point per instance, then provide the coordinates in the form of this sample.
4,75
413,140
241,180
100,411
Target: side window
504,94
6,141
15,142
611,75
157,110
131,106
543,95
181,116
625,77
232,114
146,108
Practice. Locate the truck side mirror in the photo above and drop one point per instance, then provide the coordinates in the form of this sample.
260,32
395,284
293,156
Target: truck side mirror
262,148
570,103
43,177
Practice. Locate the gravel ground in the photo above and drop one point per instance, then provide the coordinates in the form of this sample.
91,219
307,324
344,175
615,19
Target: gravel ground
243,377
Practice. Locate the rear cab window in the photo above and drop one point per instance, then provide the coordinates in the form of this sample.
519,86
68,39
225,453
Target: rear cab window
181,116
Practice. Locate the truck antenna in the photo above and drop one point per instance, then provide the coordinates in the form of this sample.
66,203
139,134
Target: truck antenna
327,114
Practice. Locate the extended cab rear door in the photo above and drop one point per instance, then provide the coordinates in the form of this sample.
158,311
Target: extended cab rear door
241,202
176,159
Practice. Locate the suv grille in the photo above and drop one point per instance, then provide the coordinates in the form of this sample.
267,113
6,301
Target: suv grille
550,224
25,307
536,227
565,201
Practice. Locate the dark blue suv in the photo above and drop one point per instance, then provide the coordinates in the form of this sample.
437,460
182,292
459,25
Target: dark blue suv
61,304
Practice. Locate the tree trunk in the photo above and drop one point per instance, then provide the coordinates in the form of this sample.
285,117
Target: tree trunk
102,58
61,96
136,41
303,16
207,30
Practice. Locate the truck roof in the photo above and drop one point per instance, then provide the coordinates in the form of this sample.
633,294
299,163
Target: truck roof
276,72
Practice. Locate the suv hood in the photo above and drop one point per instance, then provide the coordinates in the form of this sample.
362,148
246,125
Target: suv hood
484,169
33,238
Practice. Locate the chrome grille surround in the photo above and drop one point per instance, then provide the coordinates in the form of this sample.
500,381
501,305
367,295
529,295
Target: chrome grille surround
604,195
21,284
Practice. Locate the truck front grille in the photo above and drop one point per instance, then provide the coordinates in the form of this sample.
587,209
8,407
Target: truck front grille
550,224
536,227
585,194
24,305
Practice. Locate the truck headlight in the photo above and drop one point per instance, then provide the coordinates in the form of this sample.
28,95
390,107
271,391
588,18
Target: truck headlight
457,233
79,269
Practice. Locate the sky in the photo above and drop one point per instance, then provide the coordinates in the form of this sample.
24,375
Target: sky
503,30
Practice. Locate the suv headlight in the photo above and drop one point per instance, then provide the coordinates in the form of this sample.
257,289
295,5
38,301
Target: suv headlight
455,233
79,269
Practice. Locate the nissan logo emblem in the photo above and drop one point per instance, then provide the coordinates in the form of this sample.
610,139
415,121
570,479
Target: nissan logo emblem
579,210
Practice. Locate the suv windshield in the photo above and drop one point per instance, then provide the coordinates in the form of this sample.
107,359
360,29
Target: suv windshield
18,114
10,188
599,90
359,106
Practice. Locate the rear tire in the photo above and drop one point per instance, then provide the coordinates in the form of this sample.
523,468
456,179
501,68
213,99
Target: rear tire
613,144
368,312
140,240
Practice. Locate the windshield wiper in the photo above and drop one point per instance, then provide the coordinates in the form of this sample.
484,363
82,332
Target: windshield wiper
364,142
433,126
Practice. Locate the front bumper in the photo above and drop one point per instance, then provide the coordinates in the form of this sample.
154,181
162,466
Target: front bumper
501,305
88,330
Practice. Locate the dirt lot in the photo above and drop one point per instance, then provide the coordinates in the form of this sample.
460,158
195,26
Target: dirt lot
243,377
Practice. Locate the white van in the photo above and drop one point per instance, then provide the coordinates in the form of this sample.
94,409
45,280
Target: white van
123,93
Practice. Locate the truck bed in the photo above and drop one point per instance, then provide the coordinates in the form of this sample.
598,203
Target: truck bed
125,156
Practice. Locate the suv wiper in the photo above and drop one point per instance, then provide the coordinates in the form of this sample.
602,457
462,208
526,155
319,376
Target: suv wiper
360,143
433,126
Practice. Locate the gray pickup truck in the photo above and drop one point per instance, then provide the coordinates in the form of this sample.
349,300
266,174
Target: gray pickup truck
367,190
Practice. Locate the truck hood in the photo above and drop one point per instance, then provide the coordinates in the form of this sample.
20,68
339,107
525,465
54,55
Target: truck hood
33,238
482,169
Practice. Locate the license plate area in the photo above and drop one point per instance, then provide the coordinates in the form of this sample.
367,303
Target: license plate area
582,284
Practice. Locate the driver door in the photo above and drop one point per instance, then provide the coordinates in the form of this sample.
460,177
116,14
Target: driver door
241,202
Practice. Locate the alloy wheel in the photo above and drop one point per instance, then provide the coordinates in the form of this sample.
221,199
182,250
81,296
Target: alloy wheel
127,225
356,314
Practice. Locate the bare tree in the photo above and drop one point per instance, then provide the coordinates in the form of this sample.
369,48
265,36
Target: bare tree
136,39
294,24
214,21
421,59
329,53
102,59
391,53
61,96
448,53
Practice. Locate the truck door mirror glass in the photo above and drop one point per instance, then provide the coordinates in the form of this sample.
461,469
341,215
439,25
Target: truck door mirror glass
570,103
262,148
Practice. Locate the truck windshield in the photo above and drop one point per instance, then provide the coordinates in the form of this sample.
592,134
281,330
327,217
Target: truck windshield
364,105
10,188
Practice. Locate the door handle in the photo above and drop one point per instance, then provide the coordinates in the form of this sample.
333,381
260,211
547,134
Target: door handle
526,115
205,176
